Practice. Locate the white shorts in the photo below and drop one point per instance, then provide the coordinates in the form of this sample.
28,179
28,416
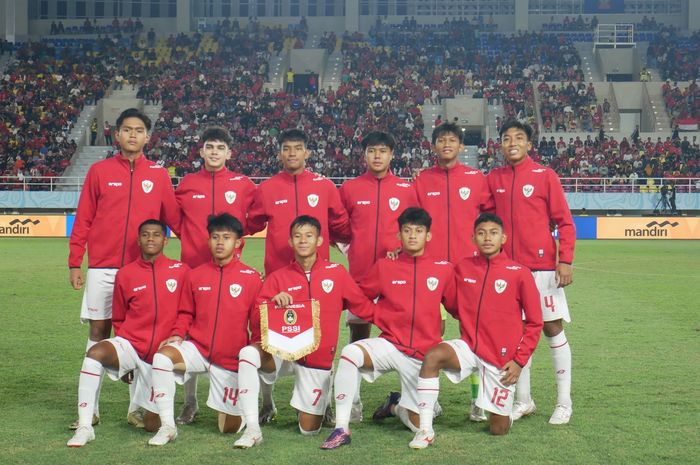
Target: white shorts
387,358
494,396
97,297
552,298
312,386
223,383
129,360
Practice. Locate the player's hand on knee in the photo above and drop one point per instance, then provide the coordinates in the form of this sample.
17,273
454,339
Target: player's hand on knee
511,373
175,339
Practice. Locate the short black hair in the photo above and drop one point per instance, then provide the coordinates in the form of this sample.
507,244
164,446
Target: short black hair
217,133
514,123
447,128
378,138
154,222
224,222
486,218
304,220
134,113
416,216
293,135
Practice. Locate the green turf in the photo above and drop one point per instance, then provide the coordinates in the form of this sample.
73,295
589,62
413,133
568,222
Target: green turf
636,358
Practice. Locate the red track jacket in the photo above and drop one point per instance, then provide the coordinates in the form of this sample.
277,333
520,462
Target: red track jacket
333,287
374,206
115,200
454,198
527,197
282,198
410,290
492,296
216,308
145,302
202,194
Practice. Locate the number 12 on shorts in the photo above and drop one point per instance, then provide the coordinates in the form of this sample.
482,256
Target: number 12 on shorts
230,394
499,396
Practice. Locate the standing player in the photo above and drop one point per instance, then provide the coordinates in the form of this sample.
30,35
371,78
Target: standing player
212,190
146,296
453,194
529,197
293,192
410,290
492,294
211,328
308,277
118,195
374,202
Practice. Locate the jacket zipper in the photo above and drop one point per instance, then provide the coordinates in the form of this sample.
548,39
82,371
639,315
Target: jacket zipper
296,198
512,217
213,199
447,175
128,208
376,228
216,317
413,315
478,308
155,315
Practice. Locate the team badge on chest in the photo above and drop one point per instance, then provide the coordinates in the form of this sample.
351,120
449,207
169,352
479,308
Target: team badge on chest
500,285
235,290
312,199
528,189
394,203
171,284
147,185
230,197
327,285
432,283
464,193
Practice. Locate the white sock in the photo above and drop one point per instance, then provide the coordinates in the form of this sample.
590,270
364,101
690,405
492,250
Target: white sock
428,390
249,386
522,388
561,360
88,385
345,384
356,398
164,388
96,408
133,406
309,433
191,391
403,415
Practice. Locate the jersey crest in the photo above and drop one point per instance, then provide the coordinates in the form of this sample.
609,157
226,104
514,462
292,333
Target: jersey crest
230,197
312,199
500,285
327,285
147,185
432,283
394,203
235,290
171,284
528,189
464,193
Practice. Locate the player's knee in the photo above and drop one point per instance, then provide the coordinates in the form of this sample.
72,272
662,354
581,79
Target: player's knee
229,423
162,362
552,328
433,360
250,355
353,354
499,425
151,421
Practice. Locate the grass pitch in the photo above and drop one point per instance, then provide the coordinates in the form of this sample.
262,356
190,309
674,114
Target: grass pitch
634,337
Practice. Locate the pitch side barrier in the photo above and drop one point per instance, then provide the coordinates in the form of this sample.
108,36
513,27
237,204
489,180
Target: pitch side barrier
587,227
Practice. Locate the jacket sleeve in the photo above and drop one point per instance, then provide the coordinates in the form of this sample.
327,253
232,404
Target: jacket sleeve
530,302
250,190
338,219
254,313
186,310
169,208
449,295
257,214
119,304
487,202
84,216
560,213
355,300
490,204
370,283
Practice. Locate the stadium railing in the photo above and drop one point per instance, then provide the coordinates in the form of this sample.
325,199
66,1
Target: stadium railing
584,185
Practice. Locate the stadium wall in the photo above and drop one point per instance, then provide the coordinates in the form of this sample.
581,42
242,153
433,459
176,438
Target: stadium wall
587,227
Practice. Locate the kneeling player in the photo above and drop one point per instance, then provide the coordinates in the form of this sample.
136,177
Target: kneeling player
410,290
211,328
306,278
146,296
492,294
